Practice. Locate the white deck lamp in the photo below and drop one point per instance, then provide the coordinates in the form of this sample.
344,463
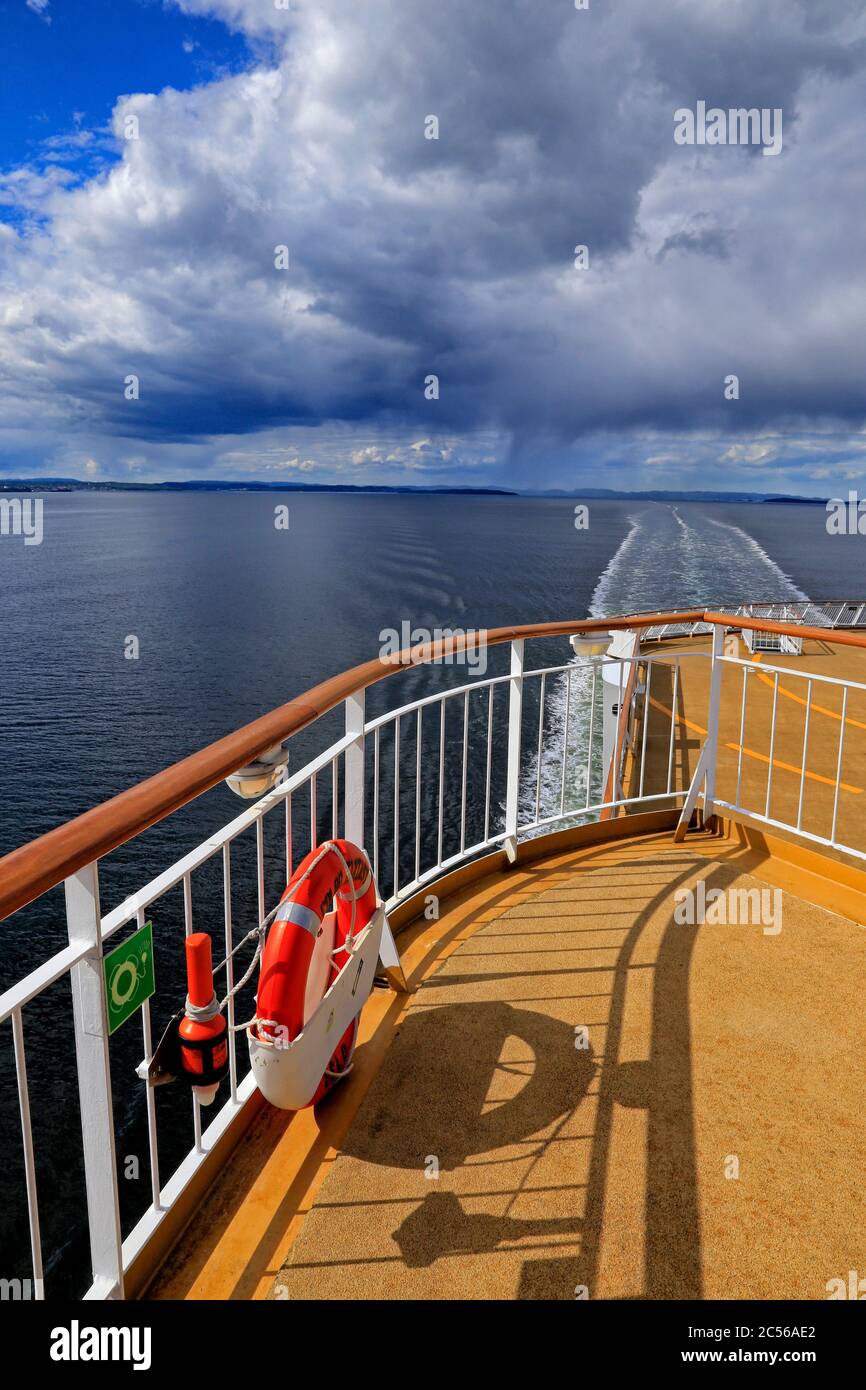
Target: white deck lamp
590,645
257,778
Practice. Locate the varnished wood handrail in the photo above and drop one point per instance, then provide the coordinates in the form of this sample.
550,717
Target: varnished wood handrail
41,864
820,634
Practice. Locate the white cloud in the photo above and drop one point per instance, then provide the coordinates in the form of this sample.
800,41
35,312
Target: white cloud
748,455
248,16
289,465
368,455
455,256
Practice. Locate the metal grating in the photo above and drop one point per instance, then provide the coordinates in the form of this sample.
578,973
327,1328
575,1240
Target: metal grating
659,633
828,613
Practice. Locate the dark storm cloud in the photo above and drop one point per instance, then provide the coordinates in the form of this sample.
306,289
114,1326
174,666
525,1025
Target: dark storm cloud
455,256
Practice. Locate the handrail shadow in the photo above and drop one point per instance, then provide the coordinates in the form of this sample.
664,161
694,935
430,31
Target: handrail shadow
423,1105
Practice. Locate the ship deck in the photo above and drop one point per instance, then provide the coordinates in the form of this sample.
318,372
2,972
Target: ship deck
586,1088
701,1145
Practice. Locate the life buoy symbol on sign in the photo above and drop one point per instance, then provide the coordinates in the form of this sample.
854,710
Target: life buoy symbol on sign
125,978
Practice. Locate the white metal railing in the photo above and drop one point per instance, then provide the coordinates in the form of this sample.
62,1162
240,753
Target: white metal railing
829,613
842,614
762,804
528,756
424,787
773,642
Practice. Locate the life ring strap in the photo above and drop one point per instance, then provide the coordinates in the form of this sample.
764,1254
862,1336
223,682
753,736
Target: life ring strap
291,911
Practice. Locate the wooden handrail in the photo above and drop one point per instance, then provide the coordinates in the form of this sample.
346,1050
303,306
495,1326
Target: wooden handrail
820,634
34,868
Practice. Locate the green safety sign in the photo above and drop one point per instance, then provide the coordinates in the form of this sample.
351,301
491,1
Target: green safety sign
129,976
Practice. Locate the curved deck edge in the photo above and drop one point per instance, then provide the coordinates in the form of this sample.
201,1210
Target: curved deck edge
278,1160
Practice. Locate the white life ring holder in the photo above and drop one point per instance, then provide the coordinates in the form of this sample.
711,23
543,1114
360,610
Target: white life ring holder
334,883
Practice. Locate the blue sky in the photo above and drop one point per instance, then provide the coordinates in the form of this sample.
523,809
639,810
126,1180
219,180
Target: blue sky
155,157
66,63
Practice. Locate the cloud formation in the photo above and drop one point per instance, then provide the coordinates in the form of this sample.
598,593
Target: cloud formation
410,257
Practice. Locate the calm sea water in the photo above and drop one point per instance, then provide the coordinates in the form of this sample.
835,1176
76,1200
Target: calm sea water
233,617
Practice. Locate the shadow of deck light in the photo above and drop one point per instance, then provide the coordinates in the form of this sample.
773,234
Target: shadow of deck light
439,1226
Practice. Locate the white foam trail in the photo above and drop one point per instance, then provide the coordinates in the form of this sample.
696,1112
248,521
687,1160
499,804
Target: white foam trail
598,602
579,717
654,567
796,593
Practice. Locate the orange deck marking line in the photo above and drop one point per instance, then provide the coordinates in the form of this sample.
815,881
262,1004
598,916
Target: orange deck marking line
798,699
761,757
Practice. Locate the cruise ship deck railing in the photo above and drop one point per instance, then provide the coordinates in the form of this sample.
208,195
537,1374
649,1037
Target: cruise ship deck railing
553,777
703,786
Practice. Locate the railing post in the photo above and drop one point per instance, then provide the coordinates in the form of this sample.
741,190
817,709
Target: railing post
705,772
389,957
94,1083
713,719
515,723
353,793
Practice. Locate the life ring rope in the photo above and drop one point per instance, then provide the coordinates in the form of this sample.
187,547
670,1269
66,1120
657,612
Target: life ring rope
325,937
331,847
347,946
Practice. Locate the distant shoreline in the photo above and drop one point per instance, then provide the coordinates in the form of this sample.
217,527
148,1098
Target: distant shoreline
218,485
551,494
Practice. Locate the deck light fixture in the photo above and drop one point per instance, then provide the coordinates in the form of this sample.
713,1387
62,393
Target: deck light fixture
590,645
262,776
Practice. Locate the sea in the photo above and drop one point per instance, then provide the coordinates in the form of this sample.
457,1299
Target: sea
229,612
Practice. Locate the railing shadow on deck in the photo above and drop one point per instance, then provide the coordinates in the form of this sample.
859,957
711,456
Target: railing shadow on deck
449,1121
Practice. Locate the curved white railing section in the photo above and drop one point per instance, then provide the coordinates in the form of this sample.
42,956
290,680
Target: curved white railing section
563,733
378,764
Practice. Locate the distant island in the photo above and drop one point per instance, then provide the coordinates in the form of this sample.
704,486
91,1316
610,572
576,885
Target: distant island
220,485
658,495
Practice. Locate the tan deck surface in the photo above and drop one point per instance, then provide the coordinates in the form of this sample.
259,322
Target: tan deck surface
608,1168
604,1168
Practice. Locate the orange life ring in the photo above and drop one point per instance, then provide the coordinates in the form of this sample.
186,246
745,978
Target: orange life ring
287,995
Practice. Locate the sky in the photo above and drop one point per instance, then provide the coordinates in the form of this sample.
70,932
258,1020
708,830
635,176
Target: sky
230,248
